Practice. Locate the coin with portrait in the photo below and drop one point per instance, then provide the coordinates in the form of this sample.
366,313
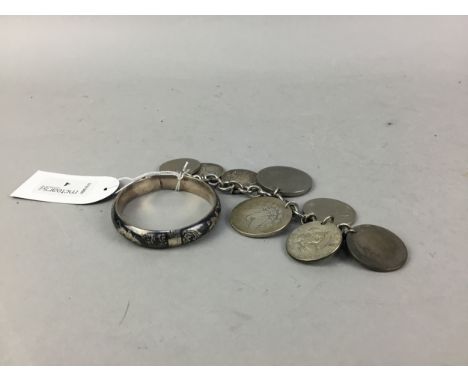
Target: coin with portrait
260,217
314,241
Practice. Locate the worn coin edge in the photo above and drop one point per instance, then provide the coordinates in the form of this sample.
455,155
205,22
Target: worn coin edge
375,269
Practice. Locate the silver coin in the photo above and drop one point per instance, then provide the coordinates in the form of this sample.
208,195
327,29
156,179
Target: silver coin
244,177
260,217
210,168
178,164
314,241
290,181
377,248
323,207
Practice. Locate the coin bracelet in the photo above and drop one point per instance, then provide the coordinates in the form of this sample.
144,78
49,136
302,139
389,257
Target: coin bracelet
326,225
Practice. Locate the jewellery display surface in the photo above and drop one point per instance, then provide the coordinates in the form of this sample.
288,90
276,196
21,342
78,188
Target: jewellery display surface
165,238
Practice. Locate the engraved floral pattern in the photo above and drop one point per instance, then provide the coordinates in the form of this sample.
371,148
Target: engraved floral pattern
129,235
166,239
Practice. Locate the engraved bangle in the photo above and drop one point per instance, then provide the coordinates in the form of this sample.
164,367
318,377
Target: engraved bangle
160,239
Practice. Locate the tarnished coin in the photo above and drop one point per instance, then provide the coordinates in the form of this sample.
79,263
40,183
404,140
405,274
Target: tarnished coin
178,164
244,177
210,168
290,181
377,248
314,241
260,217
323,207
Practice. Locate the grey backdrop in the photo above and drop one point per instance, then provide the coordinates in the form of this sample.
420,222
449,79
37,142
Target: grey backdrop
374,108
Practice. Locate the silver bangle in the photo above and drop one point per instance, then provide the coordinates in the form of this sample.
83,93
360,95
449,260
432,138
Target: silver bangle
160,239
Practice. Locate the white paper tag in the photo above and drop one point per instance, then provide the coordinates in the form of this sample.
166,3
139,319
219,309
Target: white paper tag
64,188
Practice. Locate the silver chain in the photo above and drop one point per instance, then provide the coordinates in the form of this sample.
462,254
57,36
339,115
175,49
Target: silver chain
254,191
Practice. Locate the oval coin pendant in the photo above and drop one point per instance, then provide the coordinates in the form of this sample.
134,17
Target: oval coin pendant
244,177
178,164
210,168
377,248
289,180
323,207
314,241
263,216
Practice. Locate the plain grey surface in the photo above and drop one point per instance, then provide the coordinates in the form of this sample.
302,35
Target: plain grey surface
375,109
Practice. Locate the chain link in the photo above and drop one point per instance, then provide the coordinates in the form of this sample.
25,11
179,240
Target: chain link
254,191
345,228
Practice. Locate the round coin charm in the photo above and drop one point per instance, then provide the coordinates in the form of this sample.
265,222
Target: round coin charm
260,217
177,165
314,241
376,248
323,207
290,181
244,177
210,168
